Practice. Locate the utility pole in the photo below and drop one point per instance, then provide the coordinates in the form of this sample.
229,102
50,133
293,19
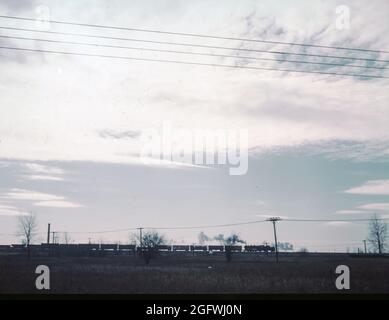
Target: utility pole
364,243
274,220
48,233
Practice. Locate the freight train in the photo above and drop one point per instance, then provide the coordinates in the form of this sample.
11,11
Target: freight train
88,249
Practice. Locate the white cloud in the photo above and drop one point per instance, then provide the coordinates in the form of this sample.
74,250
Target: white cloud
42,177
43,172
39,168
7,209
22,194
375,206
372,187
39,199
359,151
350,212
337,223
57,204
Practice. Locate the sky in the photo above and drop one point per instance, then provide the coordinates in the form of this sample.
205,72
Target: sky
71,126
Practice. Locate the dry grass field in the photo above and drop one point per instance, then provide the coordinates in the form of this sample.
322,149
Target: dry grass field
200,274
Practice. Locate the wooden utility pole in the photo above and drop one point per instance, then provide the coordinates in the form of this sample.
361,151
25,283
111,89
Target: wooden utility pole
274,220
48,233
364,243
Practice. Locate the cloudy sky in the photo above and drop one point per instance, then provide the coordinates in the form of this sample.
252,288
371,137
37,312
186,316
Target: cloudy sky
70,126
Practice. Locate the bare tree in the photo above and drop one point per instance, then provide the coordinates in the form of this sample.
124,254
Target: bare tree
378,233
150,241
27,225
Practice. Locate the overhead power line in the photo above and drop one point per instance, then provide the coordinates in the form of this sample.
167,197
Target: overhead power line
191,53
194,63
331,220
195,35
218,225
234,224
196,45
172,228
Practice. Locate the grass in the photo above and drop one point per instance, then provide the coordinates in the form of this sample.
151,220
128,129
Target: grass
200,274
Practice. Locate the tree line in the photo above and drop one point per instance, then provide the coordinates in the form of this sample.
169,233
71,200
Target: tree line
149,241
